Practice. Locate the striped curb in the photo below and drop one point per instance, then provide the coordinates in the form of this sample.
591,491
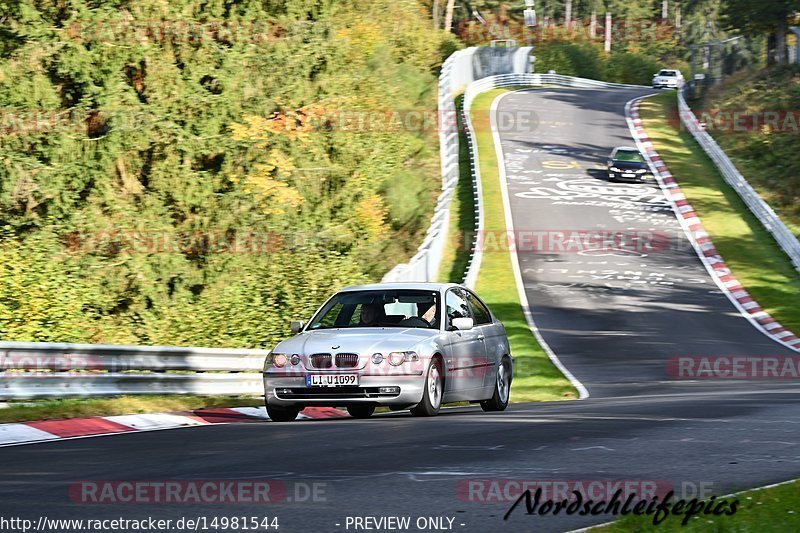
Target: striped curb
701,241
18,433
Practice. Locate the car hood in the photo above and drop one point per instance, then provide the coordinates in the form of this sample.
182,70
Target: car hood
364,341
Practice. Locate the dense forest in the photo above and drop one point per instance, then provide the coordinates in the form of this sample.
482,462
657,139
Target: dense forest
198,172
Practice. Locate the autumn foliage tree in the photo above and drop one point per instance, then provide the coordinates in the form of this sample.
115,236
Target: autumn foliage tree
162,180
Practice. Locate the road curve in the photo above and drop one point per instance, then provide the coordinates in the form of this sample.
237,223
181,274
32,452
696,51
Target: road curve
614,333
614,317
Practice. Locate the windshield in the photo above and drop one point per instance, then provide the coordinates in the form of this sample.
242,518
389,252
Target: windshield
667,73
629,156
380,309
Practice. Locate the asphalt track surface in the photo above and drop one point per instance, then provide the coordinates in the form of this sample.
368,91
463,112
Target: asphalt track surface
615,320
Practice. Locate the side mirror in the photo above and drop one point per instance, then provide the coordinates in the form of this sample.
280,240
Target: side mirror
463,323
297,326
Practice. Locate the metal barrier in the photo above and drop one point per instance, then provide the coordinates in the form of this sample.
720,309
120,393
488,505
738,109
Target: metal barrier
762,211
55,370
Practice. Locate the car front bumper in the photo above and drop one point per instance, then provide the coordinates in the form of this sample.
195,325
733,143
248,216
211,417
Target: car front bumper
621,176
282,390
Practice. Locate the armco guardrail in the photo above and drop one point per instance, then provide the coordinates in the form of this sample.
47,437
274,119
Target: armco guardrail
53,370
762,211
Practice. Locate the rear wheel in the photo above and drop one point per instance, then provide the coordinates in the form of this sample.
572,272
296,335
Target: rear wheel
432,394
502,389
282,414
361,411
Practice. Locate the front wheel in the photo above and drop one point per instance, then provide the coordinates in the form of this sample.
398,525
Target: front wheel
282,414
432,393
502,389
361,411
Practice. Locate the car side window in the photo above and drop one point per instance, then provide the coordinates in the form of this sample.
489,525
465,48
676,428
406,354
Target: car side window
456,305
479,311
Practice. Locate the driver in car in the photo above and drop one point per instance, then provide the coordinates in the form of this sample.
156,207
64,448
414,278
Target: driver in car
370,314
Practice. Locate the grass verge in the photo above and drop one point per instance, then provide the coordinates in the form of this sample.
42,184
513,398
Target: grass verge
749,250
121,405
772,509
536,378
763,149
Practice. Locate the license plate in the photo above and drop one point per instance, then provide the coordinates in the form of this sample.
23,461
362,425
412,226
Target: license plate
628,175
332,380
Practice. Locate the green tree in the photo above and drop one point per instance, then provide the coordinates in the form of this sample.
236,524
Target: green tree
767,17
155,186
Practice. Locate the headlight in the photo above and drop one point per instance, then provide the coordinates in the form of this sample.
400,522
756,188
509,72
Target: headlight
641,171
615,169
277,360
398,358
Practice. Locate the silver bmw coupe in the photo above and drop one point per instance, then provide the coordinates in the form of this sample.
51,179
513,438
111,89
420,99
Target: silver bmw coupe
401,345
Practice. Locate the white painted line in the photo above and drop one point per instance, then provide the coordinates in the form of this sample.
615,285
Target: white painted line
583,393
16,433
